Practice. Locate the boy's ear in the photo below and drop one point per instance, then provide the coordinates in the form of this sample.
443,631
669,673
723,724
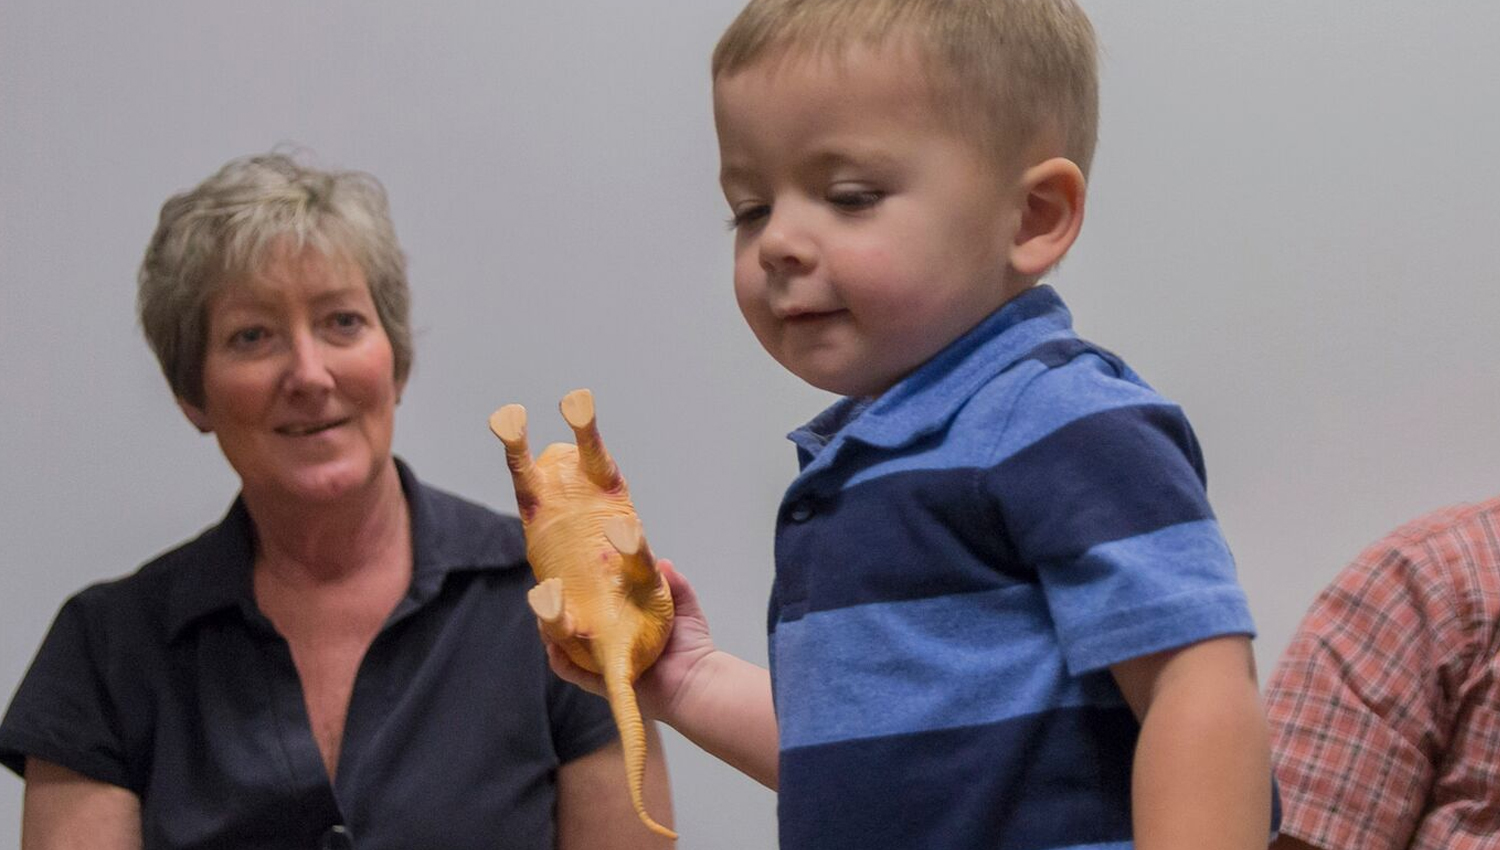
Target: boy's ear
1051,215
194,415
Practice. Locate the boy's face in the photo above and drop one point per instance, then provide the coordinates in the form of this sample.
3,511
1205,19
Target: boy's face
869,233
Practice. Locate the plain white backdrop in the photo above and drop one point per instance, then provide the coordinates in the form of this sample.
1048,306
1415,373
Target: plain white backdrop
1292,231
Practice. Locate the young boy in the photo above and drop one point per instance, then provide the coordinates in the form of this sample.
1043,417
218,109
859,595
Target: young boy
1003,614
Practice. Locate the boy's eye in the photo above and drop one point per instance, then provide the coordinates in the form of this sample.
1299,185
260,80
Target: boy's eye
855,199
749,215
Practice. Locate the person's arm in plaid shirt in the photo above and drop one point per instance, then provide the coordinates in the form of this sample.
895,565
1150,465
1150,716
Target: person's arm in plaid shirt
1364,703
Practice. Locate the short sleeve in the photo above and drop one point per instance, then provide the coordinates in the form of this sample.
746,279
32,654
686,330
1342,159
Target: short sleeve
63,712
1108,504
581,722
1358,702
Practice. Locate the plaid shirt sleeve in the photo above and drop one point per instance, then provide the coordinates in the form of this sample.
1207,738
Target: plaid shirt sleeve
1385,709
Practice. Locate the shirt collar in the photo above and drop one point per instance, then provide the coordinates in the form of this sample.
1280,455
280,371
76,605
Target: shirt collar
211,573
215,572
927,399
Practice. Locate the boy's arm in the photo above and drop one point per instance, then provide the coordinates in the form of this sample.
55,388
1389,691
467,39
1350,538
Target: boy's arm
725,708
1202,774
718,701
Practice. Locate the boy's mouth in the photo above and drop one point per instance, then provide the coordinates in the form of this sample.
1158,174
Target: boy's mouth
797,316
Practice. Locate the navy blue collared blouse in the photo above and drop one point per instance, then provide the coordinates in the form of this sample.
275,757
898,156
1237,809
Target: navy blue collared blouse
172,684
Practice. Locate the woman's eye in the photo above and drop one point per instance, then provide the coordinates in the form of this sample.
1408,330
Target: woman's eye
246,338
749,215
856,199
346,322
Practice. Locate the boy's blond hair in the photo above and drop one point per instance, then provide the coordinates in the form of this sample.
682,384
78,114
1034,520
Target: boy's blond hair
1007,70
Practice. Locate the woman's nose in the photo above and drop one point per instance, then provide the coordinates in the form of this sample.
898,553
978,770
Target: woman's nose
308,369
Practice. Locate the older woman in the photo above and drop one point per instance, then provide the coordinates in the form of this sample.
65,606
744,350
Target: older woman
346,660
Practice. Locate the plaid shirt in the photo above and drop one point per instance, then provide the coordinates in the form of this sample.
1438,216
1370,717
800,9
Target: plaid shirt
1385,710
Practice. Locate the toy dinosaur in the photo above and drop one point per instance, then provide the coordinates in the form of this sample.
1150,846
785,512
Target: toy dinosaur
599,594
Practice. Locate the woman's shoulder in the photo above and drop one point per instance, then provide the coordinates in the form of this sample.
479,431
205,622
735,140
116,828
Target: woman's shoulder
156,594
461,532
446,506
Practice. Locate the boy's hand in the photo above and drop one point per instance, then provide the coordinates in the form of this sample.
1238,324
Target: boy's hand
660,686
717,701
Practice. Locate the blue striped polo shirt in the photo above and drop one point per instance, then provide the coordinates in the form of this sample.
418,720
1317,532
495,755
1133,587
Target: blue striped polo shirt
957,565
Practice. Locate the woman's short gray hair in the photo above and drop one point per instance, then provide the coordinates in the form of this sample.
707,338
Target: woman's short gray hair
225,226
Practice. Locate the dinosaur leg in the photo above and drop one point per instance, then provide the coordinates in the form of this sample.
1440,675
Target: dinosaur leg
638,564
546,600
509,424
578,409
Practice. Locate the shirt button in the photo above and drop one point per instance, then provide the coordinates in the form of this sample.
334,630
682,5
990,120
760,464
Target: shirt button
337,838
801,512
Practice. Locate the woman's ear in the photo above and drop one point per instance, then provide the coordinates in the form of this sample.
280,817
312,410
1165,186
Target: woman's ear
1051,215
195,415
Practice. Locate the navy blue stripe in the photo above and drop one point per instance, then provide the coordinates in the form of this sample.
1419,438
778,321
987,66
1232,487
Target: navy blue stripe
922,533
1058,352
1058,779
904,536
1106,476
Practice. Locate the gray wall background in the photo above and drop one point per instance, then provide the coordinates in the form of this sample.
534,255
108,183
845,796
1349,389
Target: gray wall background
1292,231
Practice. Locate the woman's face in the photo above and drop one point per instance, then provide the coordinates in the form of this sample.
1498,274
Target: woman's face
298,379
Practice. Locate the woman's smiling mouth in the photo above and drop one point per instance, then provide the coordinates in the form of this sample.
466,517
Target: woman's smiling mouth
305,429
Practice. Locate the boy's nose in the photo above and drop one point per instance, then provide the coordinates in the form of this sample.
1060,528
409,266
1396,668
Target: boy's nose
785,246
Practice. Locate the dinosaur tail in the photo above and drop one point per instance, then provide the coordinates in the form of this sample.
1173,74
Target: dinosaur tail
632,733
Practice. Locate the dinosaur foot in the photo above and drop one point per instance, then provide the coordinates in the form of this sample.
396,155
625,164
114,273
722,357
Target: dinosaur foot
578,410
546,601
638,564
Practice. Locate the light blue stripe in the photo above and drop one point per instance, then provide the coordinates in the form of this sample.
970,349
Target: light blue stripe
1073,391
1143,594
1112,576
1067,393
899,667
